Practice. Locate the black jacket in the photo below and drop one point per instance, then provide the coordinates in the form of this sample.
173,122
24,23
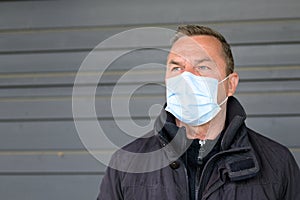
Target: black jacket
248,166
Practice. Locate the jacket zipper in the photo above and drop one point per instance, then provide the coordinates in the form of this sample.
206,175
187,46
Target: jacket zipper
199,184
200,162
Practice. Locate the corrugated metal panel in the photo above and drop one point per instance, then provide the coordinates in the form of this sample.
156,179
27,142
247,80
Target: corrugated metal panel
43,44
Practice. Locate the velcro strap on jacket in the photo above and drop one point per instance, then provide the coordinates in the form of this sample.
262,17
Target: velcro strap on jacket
242,167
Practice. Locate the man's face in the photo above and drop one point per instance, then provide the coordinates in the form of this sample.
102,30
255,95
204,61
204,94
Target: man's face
201,56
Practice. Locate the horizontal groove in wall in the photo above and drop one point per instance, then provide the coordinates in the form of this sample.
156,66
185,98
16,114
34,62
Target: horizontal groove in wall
87,50
41,173
123,96
58,153
63,152
16,120
129,26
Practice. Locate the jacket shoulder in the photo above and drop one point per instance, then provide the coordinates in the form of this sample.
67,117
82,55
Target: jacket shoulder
277,165
274,157
147,143
267,145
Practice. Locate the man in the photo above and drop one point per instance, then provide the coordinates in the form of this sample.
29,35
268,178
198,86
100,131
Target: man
211,154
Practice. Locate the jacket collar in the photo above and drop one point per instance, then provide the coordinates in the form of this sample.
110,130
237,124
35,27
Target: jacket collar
235,117
170,133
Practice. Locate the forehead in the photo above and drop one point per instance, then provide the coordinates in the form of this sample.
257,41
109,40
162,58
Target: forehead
197,45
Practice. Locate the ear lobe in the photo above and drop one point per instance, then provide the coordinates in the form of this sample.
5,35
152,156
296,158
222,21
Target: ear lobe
232,83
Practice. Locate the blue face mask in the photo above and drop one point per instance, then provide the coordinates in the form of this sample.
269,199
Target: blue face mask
193,99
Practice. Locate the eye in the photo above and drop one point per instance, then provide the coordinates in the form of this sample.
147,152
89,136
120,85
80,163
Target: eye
203,67
176,69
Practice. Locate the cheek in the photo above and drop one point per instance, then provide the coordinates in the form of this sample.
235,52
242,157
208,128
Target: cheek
222,92
170,74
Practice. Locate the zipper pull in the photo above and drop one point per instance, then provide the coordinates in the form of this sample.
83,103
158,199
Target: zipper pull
201,151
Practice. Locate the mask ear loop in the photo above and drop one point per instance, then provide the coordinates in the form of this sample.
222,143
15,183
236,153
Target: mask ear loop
227,77
223,101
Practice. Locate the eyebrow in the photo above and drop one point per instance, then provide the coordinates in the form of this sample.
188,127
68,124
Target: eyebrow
206,59
174,62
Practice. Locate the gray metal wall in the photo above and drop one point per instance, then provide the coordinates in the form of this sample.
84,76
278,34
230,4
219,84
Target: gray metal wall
43,43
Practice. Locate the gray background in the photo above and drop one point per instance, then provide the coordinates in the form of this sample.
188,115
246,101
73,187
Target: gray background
43,43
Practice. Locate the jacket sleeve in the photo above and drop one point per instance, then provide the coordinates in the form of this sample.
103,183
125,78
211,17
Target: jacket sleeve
292,179
110,187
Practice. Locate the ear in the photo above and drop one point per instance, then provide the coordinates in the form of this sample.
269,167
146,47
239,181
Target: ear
233,82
